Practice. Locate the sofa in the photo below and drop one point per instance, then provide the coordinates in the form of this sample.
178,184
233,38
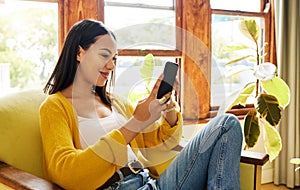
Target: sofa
21,157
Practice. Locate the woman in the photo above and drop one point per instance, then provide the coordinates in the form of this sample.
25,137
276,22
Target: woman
93,139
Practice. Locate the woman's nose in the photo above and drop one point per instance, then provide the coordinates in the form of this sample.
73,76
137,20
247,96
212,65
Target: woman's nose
111,64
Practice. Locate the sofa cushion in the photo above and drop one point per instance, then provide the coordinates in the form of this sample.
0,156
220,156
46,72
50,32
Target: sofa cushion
20,140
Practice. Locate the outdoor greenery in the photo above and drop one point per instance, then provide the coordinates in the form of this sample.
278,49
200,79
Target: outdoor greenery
29,44
146,74
271,94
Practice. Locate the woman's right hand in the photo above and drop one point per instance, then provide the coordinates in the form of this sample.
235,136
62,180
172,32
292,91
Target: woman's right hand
146,112
150,109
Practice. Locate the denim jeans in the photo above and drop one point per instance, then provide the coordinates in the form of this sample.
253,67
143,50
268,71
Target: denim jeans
211,160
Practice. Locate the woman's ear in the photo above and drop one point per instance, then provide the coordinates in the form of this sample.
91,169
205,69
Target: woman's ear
80,54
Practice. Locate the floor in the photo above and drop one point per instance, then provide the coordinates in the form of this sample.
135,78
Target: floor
271,186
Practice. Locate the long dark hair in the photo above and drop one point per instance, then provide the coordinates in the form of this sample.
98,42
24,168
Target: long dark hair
82,34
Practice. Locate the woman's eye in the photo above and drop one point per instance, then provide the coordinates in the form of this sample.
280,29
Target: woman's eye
105,56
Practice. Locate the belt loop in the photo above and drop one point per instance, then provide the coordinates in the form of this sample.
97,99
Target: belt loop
120,175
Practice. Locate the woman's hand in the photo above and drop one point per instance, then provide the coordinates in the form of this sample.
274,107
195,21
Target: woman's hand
150,109
146,112
170,113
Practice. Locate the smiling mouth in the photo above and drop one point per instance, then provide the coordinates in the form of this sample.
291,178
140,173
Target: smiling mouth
104,74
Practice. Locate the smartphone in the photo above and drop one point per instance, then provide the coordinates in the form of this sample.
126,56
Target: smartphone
166,85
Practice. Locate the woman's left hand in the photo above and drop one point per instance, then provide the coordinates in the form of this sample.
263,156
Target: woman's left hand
170,112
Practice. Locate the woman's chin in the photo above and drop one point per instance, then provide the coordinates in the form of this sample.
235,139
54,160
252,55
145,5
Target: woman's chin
100,84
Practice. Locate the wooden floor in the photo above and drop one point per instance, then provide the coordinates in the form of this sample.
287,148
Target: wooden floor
271,186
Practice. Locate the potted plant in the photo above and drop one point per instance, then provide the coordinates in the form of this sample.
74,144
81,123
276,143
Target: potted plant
271,95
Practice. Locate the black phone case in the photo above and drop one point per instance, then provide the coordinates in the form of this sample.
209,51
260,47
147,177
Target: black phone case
170,72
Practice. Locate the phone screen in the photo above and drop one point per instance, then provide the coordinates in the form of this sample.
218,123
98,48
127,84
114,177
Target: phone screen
170,72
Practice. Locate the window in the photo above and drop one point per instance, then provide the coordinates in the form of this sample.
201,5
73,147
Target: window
226,34
141,27
233,5
226,15
130,20
29,44
142,24
129,81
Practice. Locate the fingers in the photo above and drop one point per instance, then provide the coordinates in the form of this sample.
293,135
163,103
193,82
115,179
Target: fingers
162,101
165,98
176,85
156,86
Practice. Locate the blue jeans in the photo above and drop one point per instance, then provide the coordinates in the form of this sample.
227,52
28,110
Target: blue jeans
211,160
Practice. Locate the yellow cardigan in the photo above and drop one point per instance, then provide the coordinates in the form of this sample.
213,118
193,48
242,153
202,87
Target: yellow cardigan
73,168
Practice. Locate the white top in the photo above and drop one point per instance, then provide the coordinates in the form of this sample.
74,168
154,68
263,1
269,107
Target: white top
90,129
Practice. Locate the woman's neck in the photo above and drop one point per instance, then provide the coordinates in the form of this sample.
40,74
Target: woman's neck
86,103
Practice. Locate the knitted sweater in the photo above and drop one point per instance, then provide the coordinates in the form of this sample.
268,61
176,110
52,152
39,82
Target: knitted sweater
73,168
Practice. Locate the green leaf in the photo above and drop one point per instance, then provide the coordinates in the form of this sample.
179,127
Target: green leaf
261,57
232,71
278,88
244,95
251,128
263,47
237,60
252,59
272,140
295,161
147,69
233,48
268,107
250,29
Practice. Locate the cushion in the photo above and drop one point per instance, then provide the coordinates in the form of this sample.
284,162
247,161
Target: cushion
20,139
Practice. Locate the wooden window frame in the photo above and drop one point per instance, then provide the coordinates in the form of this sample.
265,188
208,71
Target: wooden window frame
155,52
176,53
187,19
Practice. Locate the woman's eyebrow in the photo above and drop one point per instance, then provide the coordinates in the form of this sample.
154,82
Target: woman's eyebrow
106,49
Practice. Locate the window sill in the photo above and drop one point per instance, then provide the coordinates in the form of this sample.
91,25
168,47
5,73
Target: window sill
239,111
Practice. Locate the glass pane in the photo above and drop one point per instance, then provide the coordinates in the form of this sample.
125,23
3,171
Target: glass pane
146,2
29,44
241,5
144,28
128,80
228,43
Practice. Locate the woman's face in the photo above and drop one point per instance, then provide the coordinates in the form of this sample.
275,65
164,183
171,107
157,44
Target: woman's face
97,62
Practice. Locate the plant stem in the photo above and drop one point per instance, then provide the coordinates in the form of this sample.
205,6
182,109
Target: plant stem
258,62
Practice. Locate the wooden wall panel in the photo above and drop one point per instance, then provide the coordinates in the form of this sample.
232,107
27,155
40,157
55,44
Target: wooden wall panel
71,11
196,59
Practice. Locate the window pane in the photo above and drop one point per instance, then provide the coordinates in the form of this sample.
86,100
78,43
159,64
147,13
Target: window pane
241,5
29,44
129,82
228,43
168,3
144,27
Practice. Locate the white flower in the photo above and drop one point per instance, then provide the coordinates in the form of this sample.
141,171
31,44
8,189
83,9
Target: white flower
265,71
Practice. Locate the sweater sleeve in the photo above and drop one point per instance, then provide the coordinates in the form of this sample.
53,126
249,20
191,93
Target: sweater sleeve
154,145
162,136
68,166
157,143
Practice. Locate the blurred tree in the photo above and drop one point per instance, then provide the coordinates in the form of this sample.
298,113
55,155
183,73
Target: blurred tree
28,41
